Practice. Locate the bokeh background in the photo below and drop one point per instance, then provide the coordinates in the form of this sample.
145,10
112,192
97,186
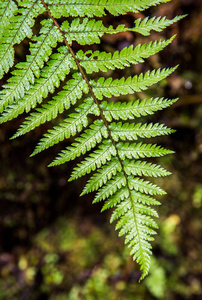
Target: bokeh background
56,245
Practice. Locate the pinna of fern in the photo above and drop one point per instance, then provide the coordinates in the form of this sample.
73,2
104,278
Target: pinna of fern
112,139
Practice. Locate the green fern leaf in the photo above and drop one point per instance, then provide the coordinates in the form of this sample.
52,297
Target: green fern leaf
117,87
26,72
125,206
138,229
70,127
94,160
137,150
72,91
108,137
141,168
102,61
145,26
7,10
130,131
110,187
18,28
56,70
102,176
88,31
131,109
124,193
143,186
97,7
87,140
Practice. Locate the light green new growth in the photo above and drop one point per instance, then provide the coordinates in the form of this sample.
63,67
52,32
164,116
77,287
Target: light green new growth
108,133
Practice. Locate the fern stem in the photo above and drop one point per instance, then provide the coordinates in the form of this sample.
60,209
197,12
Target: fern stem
101,114
90,89
84,76
79,67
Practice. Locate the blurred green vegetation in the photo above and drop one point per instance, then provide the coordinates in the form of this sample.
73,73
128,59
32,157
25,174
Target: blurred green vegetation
56,245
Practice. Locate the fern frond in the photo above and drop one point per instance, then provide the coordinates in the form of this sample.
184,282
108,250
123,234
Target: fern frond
87,140
110,187
144,199
7,10
102,176
97,8
125,206
138,150
73,124
71,92
131,109
137,229
94,160
131,131
19,27
142,168
56,70
124,193
145,26
25,72
102,61
143,186
88,31
117,87
107,134
115,199
131,208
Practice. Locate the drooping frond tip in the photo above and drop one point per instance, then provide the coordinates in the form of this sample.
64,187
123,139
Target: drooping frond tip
109,135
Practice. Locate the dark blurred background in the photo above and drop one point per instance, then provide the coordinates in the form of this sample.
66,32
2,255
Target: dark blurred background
56,245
